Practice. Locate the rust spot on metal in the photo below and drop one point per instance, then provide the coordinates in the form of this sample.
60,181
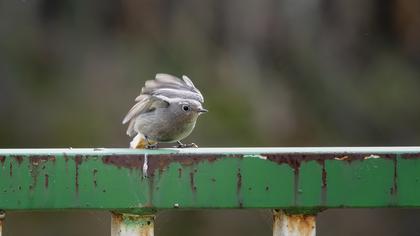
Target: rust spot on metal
78,161
37,160
11,169
303,224
294,160
46,181
192,182
19,159
239,187
95,182
410,155
124,161
179,172
156,162
2,160
299,224
394,187
324,183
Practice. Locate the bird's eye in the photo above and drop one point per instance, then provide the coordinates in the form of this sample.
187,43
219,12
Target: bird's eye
185,108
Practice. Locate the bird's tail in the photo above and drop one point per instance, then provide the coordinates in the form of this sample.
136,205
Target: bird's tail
139,142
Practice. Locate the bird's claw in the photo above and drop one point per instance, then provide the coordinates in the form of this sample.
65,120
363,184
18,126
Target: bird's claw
152,146
186,145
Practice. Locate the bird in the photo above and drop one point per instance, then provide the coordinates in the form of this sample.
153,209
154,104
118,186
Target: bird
166,111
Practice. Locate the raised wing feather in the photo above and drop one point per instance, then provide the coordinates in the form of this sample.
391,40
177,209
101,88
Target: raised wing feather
158,93
172,87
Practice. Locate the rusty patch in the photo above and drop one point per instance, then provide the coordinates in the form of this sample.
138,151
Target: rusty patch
2,160
11,169
46,180
124,161
192,182
19,159
78,159
179,172
239,188
394,187
95,182
294,160
410,155
324,183
37,160
303,225
299,224
157,162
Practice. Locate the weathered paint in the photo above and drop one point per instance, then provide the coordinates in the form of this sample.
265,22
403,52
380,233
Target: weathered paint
293,225
132,181
132,225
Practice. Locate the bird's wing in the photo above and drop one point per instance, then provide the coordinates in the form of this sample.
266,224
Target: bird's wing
159,93
145,104
169,86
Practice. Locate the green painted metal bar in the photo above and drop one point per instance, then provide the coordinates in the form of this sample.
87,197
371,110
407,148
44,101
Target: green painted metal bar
137,181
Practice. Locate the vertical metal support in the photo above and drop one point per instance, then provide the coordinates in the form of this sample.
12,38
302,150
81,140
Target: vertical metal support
132,225
2,216
293,225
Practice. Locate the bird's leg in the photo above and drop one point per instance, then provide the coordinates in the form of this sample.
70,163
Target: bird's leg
150,145
186,145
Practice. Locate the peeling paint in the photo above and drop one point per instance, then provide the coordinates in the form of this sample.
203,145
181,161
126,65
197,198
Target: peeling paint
145,165
371,156
256,156
157,161
343,158
37,160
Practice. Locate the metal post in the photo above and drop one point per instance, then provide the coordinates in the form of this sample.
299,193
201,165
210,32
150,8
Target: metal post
293,225
2,216
132,225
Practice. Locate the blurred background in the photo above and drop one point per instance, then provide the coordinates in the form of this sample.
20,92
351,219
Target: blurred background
273,72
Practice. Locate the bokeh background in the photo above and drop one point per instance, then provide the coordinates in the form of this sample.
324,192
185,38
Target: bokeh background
273,72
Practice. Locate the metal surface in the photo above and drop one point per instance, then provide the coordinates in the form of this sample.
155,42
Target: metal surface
2,217
293,225
132,225
301,180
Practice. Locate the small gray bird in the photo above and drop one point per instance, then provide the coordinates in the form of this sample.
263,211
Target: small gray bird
166,111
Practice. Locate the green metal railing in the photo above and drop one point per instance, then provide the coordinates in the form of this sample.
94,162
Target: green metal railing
135,184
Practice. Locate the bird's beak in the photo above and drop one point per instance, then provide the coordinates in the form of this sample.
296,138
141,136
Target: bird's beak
202,110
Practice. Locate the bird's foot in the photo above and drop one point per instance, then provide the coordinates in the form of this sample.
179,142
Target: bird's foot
186,145
152,146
